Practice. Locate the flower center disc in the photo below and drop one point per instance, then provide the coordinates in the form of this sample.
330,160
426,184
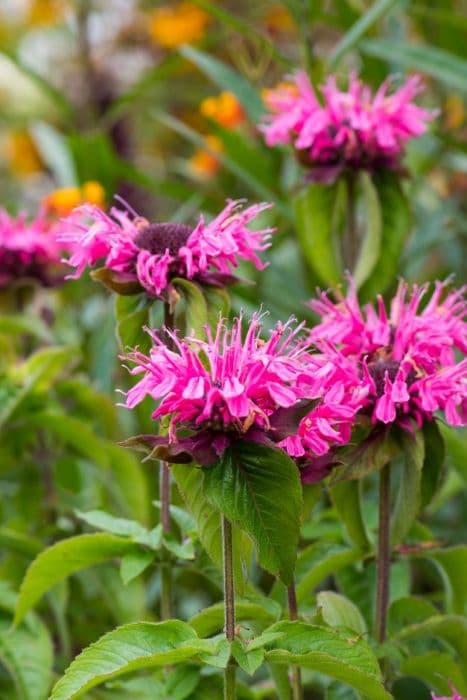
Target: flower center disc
378,370
157,238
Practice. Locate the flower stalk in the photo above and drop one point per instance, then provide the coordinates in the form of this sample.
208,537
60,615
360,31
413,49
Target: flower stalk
383,561
229,606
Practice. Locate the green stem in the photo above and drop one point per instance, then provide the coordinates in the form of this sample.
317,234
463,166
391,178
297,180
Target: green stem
164,497
297,688
229,606
383,561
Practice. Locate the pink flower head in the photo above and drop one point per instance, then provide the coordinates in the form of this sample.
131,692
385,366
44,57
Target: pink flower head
349,129
28,250
407,358
143,256
220,389
455,695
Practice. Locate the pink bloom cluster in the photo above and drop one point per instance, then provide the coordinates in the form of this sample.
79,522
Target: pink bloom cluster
229,388
350,129
150,255
28,250
407,359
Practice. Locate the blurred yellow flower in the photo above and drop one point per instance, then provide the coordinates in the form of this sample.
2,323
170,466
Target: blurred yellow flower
204,163
269,95
45,12
454,112
21,153
180,24
224,109
278,19
60,202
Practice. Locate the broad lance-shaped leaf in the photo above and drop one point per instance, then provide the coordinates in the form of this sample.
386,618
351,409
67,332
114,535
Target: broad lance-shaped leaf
395,221
258,489
195,311
132,314
63,559
346,497
451,629
189,480
126,649
27,654
407,503
370,249
315,210
338,611
346,658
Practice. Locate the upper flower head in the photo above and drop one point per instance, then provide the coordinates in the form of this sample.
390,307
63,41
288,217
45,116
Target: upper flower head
226,387
350,129
407,358
28,250
141,255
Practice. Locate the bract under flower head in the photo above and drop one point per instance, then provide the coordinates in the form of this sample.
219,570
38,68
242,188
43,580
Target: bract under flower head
147,256
408,359
223,388
28,250
350,129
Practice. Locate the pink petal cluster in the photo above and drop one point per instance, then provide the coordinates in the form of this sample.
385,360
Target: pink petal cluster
135,250
229,387
349,129
28,250
409,358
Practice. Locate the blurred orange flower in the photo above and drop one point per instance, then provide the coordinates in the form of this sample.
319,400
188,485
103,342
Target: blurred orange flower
60,202
224,109
278,19
204,162
45,12
454,112
269,95
181,24
22,154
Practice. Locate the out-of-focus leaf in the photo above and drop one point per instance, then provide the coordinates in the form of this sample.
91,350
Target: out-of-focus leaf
19,542
451,629
370,249
442,65
407,503
456,447
122,527
338,611
63,559
347,500
317,562
55,153
433,462
246,484
249,660
438,669
132,313
19,324
371,455
195,312
368,18
452,565
134,563
227,78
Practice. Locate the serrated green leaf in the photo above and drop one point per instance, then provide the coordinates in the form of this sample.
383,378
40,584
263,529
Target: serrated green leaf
370,249
314,210
189,481
258,489
343,657
407,503
338,611
261,611
134,563
126,649
63,559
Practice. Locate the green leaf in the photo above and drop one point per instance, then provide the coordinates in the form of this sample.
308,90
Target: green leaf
261,611
452,565
55,153
438,669
182,550
371,455
181,682
227,79
370,249
19,542
248,660
368,18
343,657
396,221
63,559
134,563
317,562
126,649
346,498
218,304
314,209
338,611
132,313
409,610
189,481
433,462
442,65
407,504
258,489
451,629
455,441
122,526
195,309
27,654
19,324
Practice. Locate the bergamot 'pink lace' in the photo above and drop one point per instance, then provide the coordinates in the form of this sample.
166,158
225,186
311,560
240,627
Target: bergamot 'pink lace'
135,250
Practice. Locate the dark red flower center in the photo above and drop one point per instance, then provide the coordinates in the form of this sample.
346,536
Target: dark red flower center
157,238
378,371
